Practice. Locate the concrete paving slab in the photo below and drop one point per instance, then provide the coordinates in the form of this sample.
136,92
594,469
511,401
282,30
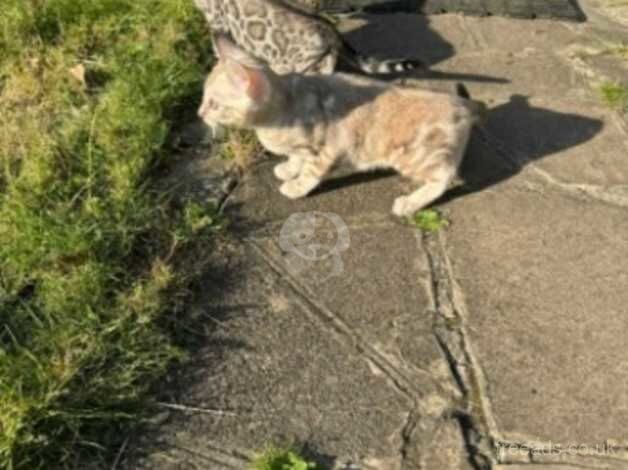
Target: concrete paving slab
441,37
515,36
570,145
367,196
287,378
529,74
290,365
544,284
604,12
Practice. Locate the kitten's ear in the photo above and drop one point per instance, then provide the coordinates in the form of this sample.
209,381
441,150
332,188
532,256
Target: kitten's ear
224,47
252,81
246,72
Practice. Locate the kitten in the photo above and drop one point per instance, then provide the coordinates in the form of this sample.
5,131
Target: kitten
289,36
317,120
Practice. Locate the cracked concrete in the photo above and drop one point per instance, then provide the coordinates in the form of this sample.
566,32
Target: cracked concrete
497,343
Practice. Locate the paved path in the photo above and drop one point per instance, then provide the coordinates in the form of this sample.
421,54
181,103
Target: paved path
500,342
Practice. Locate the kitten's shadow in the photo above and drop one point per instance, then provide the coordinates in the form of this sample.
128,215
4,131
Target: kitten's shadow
514,134
345,180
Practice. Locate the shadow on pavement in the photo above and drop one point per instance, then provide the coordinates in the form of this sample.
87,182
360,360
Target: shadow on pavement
515,134
397,37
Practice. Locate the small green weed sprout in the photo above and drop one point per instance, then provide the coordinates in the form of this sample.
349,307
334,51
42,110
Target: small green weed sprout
428,221
615,95
275,458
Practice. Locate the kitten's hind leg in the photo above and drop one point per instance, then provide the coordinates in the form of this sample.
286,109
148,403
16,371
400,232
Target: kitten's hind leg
289,170
431,190
314,168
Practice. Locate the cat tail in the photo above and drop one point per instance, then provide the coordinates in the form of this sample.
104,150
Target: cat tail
374,66
477,108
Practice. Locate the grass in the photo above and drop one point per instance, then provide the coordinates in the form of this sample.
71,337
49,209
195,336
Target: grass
428,221
620,51
94,262
615,95
241,147
275,458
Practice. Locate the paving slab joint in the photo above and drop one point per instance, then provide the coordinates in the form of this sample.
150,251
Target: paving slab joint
474,416
407,432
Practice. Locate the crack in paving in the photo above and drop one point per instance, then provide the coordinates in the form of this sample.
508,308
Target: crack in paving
476,420
484,442
334,323
614,195
474,442
406,435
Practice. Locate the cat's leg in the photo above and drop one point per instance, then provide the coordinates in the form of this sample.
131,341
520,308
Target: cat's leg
433,187
289,169
312,172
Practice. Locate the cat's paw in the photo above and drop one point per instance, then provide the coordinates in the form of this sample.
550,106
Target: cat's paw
285,171
403,207
295,189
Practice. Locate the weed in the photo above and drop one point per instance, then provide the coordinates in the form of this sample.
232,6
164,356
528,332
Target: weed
275,458
615,95
428,220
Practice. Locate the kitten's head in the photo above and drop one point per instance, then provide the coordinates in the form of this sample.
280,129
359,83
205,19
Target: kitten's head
238,89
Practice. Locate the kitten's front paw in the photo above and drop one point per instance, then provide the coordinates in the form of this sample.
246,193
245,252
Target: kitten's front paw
295,189
285,171
403,207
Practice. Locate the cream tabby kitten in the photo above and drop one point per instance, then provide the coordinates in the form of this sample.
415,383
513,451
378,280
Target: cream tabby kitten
318,120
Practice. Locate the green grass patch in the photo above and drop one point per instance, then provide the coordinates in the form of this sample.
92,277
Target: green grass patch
428,221
615,95
275,458
94,262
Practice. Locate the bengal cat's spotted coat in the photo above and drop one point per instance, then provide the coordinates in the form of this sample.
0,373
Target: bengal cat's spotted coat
289,37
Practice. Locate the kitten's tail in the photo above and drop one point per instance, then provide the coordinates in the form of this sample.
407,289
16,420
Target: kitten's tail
374,66
478,108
